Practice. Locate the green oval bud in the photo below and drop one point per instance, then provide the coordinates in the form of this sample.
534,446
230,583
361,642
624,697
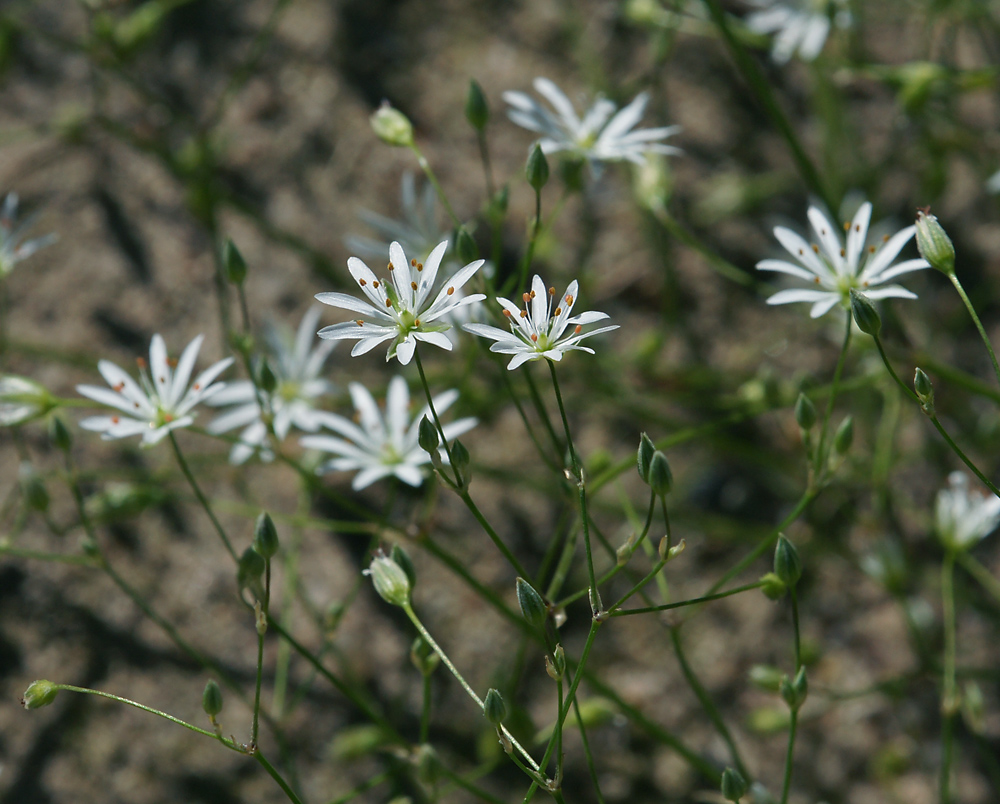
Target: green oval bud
60,435
865,314
805,412
236,266
537,168
844,436
265,536
466,246
924,390
934,244
211,698
39,693
773,587
266,380
423,657
795,691
787,565
477,112
401,557
661,479
645,456
460,456
250,569
390,580
392,126
494,708
427,436
532,604
734,786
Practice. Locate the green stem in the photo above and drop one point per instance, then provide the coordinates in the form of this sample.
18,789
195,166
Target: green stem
484,156
425,166
574,460
949,691
981,574
786,784
979,324
425,710
261,618
591,767
522,276
201,497
437,421
262,760
364,787
543,414
793,595
823,449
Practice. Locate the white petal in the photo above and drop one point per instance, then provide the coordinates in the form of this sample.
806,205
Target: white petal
799,295
183,372
828,239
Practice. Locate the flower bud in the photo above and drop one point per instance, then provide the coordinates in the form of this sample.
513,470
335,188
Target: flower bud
392,126
773,587
865,314
423,657
532,605
250,570
59,434
766,677
235,265
401,557
934,244
645,456
460,457
924,391
266,380
477,112
787,564
734,786
428,765
494,707
39,693
844,436
661,479
390,580
795,691
466,246
427,436
805,412
211,699
537,168
265,536
22,400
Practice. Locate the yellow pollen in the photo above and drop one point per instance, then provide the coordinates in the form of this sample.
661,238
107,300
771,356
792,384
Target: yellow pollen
577,329
842,253
552,291
816,280
801,252
413,285
359,322
815,248
532,294
388,302
857,228
569,299
420,266
362,282
391,267
416,322
375,284
413,263
524,313
558,310
865,284
847,226
507,313
450,291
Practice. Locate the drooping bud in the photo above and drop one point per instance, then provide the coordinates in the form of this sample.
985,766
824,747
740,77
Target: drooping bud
661,479
211,698
805,412
390,580
934,244
39,693
844,436
537,169
865,314
477,111
645,456
392,126
423,657
532,604
787,564
427,436
924,391
734,786
494,708
235,265
265,536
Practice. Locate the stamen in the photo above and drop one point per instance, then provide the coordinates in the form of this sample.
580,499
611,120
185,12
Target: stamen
359,322
172,362
815,248
362,282
847,226
413,285
375,284
118,387
388,302
141,362
525,298
162,379
197,386
524,313
507,313
871,249
534,338
391,267
816,280
416,322
552,291
168,417
420,266
857,228
843,253
823,232
450,291
578,329
558,310
532,294
135,405
885,238
115,420
413,262
802,252
569,300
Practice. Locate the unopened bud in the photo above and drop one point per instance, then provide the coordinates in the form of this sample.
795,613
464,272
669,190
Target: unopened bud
235,265
805,412
401,557
392,126
934,244
265,378
477,112
427,436
532,604
844,436
772,586
211,699
390,580
661,479
537,169
494,708
787,564
60,435
865,314
265,536
250,570
644,456
734,786
924,390
766,677
39,693
795,691
22,400
460,459
423,657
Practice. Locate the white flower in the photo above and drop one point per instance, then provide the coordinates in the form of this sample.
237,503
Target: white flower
296,368
402,310
537,330
836,269
418,233
800,26
22,400
961,516
593,138
382,446
160,402
13,247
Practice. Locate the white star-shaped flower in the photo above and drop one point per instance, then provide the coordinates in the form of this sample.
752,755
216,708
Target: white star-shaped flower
962,516
22,400
800,26
13,247
403,311
597,137
537,330
380,446
296,365
836,268
160,402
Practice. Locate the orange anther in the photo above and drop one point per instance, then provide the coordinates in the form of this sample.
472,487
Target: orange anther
450,291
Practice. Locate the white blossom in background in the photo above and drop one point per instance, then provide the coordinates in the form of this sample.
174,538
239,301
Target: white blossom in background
13,247
962,517
160,402
22,400
598,136
401,312
382,445
799,26
537,330
418,233
832,268
296,364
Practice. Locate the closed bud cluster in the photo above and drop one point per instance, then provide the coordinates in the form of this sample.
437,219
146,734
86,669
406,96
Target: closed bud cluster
265,536
787,565
235,265
805,412
532,604
537,169
865,314
734,786
211,699
39,693
934,244
390,580
494,708
392,126
477,112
